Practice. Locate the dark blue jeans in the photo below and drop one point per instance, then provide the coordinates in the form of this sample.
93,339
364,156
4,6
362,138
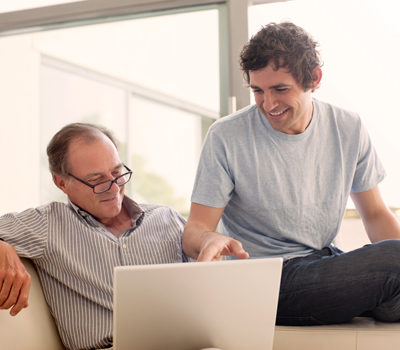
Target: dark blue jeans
330,286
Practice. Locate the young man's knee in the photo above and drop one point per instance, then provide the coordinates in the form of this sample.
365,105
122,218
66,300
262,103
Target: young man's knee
385,316
391,245
386,254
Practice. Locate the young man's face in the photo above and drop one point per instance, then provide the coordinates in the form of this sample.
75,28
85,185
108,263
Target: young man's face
282,100
94,162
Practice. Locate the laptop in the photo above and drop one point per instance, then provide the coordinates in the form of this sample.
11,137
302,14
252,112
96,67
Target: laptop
229,305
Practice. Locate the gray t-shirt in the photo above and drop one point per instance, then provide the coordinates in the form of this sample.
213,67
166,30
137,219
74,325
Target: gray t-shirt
285,195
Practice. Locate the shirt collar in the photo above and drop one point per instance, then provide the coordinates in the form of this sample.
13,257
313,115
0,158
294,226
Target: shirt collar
133,209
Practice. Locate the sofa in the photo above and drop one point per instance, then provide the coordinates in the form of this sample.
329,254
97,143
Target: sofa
361,334
34,329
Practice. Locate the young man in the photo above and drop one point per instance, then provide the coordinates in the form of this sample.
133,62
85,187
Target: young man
76,246
279,174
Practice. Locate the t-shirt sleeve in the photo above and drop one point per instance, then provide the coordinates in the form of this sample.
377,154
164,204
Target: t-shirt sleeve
214,182
369,170
25,231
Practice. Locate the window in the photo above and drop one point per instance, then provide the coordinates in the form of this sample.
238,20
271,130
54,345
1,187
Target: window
153,80
16,5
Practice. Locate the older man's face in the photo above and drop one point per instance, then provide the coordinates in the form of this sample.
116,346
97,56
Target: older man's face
95,162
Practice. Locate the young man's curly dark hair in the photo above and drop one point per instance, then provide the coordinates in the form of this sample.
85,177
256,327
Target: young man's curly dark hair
284,45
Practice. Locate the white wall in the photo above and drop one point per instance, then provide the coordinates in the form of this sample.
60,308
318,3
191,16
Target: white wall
19,124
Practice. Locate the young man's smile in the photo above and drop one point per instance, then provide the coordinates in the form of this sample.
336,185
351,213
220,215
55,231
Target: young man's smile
282,100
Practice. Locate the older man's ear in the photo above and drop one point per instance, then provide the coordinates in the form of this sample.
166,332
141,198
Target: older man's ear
61,182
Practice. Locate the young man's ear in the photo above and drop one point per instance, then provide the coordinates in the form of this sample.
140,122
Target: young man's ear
60,181
317,76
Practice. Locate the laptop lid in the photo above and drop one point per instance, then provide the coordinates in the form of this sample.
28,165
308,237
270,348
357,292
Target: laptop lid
228,304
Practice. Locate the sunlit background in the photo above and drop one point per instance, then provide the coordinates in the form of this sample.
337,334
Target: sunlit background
155,81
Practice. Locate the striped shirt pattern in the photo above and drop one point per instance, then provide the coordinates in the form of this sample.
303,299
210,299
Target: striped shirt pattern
75,256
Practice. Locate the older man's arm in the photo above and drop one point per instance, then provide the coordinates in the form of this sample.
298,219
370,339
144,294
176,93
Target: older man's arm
14,280
200,241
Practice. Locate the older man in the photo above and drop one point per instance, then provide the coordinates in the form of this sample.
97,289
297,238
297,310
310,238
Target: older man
76,246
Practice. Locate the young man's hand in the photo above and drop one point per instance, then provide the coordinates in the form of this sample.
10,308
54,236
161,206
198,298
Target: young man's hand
200,241
14,280
215,246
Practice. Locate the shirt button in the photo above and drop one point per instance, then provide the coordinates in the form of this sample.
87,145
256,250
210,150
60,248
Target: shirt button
124,246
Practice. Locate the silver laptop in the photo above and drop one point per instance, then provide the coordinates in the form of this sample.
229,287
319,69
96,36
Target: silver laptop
230,305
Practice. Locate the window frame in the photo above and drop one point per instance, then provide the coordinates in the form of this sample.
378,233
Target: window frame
233,31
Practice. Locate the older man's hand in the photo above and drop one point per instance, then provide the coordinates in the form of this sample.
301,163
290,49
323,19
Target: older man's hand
14,280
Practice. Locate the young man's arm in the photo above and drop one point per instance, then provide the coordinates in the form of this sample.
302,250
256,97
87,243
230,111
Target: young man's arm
14,280
378,220
200,241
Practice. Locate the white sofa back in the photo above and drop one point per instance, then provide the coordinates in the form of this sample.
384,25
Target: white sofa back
34,327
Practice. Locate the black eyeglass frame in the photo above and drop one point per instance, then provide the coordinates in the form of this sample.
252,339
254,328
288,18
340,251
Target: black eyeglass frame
129,172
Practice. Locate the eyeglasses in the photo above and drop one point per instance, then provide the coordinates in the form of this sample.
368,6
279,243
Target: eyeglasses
106,185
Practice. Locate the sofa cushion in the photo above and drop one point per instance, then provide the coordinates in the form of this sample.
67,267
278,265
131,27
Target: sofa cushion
34,327
361,334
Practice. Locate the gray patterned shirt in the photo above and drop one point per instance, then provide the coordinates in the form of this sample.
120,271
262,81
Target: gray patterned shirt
75,256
